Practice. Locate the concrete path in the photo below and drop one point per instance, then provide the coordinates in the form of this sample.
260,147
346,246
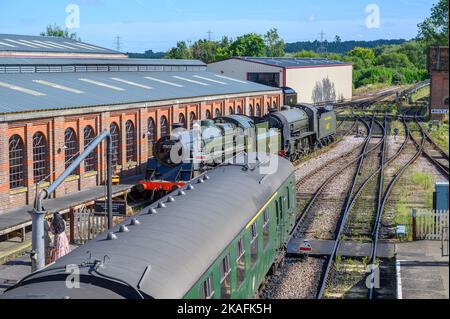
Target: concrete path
422,271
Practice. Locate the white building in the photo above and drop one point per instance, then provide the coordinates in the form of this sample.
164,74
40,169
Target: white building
314,80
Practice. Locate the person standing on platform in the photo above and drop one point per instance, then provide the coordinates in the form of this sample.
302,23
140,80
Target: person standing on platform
61,243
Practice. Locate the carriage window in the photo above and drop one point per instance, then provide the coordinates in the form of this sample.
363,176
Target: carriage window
225,278
254,246
266,230
206,290
240,262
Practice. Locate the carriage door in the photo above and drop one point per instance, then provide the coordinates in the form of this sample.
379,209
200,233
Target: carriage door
280,219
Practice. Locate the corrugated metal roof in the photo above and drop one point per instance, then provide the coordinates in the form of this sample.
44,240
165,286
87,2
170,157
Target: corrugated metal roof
294,62
28,43
24,92
82,61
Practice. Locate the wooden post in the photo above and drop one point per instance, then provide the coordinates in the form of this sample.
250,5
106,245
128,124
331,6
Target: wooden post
24,234
414,224
72,225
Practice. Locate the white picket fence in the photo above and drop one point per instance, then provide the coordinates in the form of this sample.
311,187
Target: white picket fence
432,225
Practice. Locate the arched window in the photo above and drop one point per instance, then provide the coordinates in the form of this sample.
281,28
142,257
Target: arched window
116,144
231,110
218,113
151,134
208,114
90,163
131,143
192,118
40,158
16,162
258,110
239,110
251,110
165,129
70,146
182,120
268,105
275,106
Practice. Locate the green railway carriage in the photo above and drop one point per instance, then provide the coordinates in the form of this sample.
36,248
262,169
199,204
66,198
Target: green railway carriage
243,265
214,238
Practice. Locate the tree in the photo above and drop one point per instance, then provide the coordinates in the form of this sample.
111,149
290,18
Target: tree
337,39
394,60
204,50
56,31
434,30
181,51
361,57
274,44
248,45
224,51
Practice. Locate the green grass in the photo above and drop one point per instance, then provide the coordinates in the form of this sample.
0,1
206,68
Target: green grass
422,93
399,125
440,136
417,183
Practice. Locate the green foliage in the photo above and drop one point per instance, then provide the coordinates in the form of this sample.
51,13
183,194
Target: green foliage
56,31
251,44
341,47
180,52
149,54
274,44
364,55
393,60
306,54
373,75
434,30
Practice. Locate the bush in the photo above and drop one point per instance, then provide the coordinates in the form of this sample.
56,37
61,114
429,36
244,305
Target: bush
394,60
373,75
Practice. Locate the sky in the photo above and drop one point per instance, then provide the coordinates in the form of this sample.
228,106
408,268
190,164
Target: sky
158,24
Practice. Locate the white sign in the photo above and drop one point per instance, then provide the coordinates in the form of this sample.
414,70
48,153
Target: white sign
439,111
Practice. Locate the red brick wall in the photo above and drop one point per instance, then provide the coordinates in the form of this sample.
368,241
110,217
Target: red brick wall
54,129
439,91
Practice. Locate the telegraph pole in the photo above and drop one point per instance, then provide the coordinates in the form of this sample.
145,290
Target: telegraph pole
322,48
209,35
118,44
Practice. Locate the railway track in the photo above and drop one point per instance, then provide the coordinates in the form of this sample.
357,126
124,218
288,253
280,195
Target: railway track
436,155
333,264
319,269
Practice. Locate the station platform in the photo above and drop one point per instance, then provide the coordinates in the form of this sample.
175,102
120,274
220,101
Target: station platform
18,218
422,271
320,248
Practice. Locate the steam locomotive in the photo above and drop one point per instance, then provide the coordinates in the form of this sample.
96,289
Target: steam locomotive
292,133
